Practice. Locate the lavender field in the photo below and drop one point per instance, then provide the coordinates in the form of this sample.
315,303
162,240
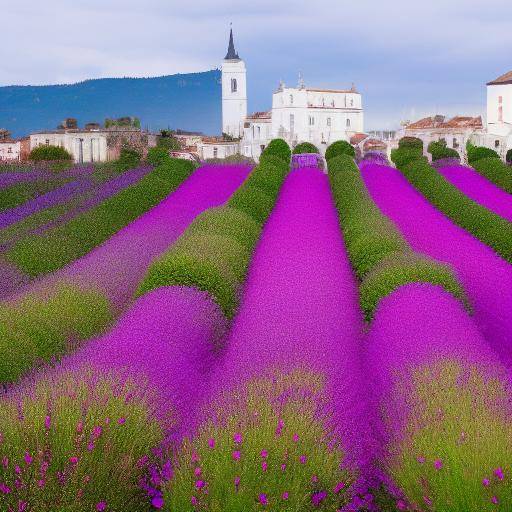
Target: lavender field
278,337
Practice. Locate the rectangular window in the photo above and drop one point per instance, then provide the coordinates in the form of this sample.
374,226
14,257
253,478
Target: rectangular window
311,121
215,152
328,121
47,142
455,144
9,150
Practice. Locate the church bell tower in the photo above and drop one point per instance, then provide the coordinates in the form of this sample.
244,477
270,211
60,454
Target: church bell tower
234,92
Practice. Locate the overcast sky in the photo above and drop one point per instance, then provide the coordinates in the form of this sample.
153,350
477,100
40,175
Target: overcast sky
408,58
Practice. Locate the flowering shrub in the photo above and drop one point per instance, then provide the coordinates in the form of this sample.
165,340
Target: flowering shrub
379,255
340,147
305,147
443,403
496,171
79,441
217,262
42,254
479,189
486,277
263,446
375,157
278,148
40,328
485,225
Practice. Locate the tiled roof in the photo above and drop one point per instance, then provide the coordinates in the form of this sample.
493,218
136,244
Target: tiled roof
260,115
502,80
333,90
440,122
374,144
357,138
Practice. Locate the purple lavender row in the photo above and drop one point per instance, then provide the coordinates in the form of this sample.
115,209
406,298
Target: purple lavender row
486,277
8,179
479,189
117,266
53,198
98,195
300,311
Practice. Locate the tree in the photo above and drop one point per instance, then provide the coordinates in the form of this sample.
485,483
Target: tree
49,154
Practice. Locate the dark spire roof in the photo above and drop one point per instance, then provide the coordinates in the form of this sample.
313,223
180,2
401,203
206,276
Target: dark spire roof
231,55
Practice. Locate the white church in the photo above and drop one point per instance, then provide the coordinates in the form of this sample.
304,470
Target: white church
298,114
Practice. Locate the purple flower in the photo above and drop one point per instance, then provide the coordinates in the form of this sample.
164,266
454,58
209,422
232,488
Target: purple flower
194,501
314,479
295,438
28,459
284,496
157,502
263,499
421,459
303,459
102,505
494,500
236,455
211,442
4,489
197,471
264,454
121,421
438,464
237,438
73,460
47,422
318,497
237,482
200,484
486,482
339,486
499,473
264,466
283,467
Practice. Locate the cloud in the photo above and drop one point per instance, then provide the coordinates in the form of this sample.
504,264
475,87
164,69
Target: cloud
402,55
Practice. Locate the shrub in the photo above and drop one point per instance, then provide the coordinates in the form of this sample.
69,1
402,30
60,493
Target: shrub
279,148
438,150
267,443
275,162
401,157
508,158
381,258
157,156
213,253
213,263
400,268
305,147
40,328
39,254
476,153
482,223
129,158
77,441
411,143
340,147
49,153
253,201
455,441
496,171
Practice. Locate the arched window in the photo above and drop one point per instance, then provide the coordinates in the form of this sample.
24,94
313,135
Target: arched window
234,85
351,103
259,132
215,152
348,123
496,143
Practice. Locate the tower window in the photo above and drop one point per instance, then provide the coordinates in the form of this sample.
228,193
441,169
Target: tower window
291,99
348,123
215,152
328,121
234,85
311,121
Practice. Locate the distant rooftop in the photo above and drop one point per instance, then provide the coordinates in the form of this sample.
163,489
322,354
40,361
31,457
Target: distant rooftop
439,121
502,80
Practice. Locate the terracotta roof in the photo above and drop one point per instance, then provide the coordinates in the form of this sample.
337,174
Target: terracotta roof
216,141
438,121
503,79
358,138
260,115
333,90
374,144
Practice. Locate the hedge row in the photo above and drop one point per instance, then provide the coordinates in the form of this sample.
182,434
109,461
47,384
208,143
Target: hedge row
475,153
401,157
439,151
40,254
20,193
39,328
213,254
340,147
496,171
380,256
482,223
305,147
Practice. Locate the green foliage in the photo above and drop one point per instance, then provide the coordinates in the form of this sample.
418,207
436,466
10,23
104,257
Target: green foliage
213,253
456,445
168,142
305,147
129,158
482,223
39,254
401,157
39,328
96,429
49,153
158,156
253,201
237,158
411,143
279,148
379,255
212,263
496,171
340,147
476,153
508,158
438,150
400,268
20,193
267,438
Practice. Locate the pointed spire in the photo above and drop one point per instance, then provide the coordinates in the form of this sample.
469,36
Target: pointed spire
231,55
301,84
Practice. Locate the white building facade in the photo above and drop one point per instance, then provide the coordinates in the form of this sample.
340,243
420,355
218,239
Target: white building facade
499,114
10,150
298,114
84,146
